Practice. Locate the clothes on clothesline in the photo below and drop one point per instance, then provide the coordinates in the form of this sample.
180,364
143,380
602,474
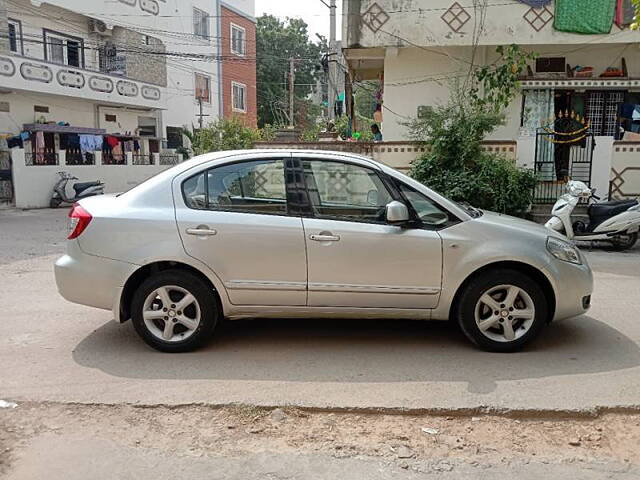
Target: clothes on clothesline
536,3
14,142
584,16
112,141
90,143
625,12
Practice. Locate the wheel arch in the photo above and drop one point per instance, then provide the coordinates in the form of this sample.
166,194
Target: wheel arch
534,273
144,272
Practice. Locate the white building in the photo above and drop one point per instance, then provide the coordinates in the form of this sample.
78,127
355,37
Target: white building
419,47
141,69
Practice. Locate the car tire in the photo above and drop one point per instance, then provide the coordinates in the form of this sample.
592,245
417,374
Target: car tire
491,320
162,324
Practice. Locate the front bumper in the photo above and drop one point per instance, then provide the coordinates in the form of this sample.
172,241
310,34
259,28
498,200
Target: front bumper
573,286
88,279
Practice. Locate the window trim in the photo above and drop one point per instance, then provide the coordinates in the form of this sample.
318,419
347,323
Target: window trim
207,36
47,33
195,86
284,159
19,37
233,26
233,97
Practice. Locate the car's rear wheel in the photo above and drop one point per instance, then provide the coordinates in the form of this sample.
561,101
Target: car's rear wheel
174,311
502,310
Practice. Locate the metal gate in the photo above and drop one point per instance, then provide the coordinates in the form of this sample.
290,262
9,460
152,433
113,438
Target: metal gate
6,182
559,157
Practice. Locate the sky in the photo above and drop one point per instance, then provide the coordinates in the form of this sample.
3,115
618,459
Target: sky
312,11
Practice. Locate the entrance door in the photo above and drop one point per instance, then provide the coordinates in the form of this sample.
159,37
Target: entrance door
356,259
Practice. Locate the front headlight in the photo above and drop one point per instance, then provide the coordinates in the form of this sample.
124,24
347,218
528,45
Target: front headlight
563,250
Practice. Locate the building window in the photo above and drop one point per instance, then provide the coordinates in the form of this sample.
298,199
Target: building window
203,88
15,36
110,62
238,40
239,97
63,49
602,112
200,24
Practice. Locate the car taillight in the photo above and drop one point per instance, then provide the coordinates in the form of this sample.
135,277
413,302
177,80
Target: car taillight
79,219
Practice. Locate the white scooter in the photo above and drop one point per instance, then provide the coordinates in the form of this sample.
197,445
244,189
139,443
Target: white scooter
617,222
82,190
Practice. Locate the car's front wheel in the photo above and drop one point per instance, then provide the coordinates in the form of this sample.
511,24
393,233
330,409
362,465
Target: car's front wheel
502,310
174,311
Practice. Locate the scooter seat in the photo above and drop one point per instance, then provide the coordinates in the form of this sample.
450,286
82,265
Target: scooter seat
78,187
610,209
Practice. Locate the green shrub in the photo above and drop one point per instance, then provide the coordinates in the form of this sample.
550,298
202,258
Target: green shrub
456,166
491,182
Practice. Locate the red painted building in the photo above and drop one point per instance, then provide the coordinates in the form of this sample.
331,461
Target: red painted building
238,37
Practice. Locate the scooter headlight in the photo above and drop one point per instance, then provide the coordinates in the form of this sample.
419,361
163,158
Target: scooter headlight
563,251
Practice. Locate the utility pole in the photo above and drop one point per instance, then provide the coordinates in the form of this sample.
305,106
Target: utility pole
333,60
292,78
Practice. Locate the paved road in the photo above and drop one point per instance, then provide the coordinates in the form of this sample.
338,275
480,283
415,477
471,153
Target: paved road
53,350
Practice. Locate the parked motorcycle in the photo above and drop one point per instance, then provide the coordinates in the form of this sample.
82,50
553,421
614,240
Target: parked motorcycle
82,190
617,222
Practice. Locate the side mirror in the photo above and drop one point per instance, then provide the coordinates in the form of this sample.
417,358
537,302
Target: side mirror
397,212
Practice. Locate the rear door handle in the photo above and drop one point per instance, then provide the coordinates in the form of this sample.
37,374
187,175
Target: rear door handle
201,232
325,238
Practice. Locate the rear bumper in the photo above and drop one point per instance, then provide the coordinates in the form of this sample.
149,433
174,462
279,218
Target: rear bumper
88,279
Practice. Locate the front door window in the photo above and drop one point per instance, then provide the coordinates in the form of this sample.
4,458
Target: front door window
344,191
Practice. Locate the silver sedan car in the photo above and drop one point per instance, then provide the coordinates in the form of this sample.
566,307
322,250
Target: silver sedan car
288,233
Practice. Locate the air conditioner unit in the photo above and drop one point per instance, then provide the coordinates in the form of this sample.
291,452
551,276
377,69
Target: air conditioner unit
99,27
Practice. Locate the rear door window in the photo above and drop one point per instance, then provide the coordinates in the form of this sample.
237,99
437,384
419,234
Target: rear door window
256,186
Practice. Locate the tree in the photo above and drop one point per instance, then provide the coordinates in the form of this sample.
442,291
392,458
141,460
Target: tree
636,21
225,134
455,164
276,42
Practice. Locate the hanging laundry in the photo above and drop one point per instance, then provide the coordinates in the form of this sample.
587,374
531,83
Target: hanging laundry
14,142
70,141
136,145
584,16
627,109
112,141
97,142
40,146
24,136
636,113
536,3
625,12
87,143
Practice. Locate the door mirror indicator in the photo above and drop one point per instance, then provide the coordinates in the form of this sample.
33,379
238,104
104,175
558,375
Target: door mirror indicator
397,213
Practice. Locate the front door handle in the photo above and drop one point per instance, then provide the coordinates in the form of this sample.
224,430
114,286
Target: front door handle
202,231
325,238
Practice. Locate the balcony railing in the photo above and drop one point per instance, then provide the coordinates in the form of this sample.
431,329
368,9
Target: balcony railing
41,158
23,73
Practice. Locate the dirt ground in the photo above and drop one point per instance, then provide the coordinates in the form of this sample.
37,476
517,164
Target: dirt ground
422,444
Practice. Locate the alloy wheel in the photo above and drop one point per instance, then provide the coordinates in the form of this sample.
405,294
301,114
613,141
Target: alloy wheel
171,313
505,313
